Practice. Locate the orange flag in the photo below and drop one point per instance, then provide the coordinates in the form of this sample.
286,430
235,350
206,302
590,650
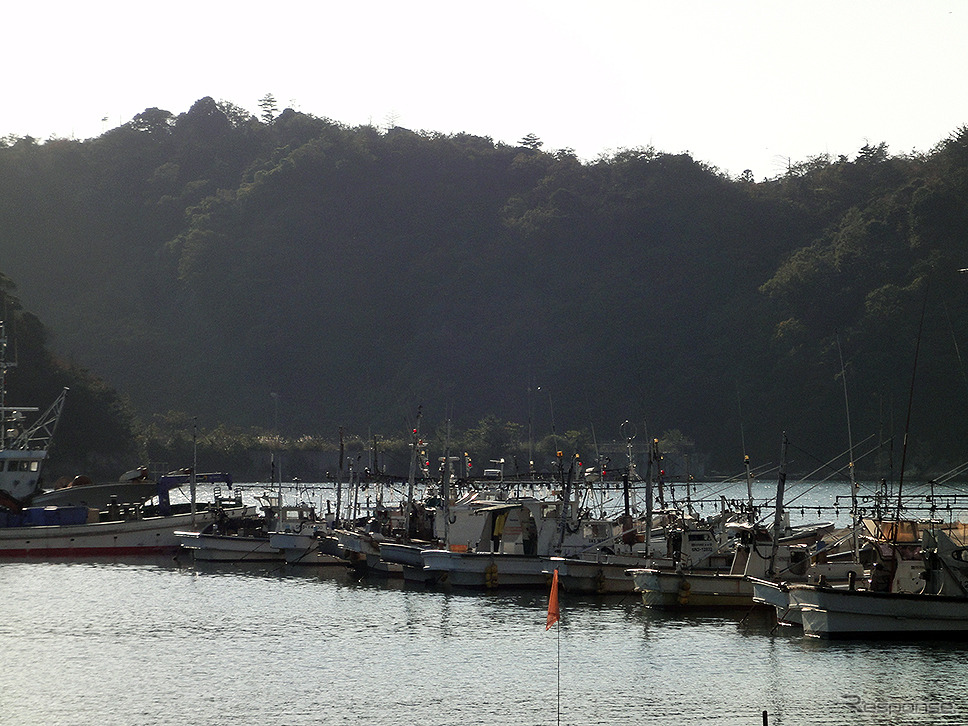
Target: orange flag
554,614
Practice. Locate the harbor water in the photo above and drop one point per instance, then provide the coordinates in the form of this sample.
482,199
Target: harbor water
168,642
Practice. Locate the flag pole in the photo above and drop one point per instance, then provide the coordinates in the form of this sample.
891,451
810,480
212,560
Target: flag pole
559,667
554,616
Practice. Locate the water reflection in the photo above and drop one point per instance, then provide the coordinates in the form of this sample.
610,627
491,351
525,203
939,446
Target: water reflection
238,641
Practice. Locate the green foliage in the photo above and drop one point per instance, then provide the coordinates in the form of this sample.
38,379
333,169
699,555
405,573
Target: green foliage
268,105
95,435
200,261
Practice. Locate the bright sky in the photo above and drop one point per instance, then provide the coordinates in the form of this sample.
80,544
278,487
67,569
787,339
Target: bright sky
740,84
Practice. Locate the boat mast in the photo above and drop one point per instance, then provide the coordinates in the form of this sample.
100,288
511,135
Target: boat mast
648,504
749,489
278,442
413,474
566,504
445,488
780,486
193,481
895,530
746,461
530,433
629,430
339,479
854,523
355,483
13,431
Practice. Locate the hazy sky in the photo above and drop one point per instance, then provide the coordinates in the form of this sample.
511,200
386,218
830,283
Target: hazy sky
740,84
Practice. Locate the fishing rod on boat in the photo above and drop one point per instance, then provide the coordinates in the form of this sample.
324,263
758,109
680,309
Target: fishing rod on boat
907,423
952,473
850,456
746,458
809,489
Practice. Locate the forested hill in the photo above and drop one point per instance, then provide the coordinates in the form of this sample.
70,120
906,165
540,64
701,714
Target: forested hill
206,261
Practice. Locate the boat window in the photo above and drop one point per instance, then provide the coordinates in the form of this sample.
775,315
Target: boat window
12,465
34,465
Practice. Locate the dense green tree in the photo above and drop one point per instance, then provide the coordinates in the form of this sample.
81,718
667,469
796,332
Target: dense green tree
268,105
95,434
201,261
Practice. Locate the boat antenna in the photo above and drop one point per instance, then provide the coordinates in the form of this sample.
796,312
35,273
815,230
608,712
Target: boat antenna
648,500
746,460
277,444
445,487
780,487
656,458
565,504
628,431
193,481
413,474
554,431
907,423
339,478
530,430
598,454
850,456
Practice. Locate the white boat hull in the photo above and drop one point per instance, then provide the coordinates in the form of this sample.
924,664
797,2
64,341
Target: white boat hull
98,496
408,557
832,613
607,575
150,535
307,548
669,589
207,547
484,570
777,596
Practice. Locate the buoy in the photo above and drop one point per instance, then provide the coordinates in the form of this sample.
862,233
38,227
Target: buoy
490,576
684,588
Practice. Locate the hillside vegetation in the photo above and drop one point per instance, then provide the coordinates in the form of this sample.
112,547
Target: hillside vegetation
291,271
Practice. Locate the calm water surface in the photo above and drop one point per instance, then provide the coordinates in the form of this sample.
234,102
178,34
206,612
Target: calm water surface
158,642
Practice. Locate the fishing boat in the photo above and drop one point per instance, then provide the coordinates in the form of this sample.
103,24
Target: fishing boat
388,543
366,542
760,553
828,612
115,519
309,546
511,543
250,539
892,605
136,485
242,540
520,541
893,566
883,607
677,539
753,557
23,443
39,532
